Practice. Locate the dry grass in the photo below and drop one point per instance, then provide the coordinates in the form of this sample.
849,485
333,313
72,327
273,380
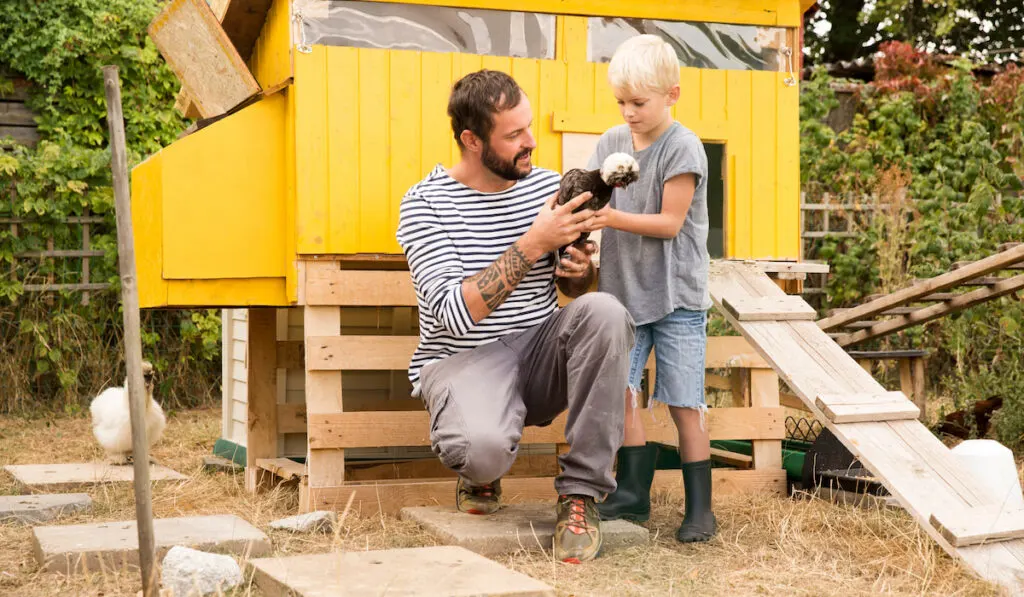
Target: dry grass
767,545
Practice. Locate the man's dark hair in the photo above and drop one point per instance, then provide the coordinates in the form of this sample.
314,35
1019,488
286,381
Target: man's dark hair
476,98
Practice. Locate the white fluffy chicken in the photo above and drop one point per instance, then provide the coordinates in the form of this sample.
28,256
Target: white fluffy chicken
111,419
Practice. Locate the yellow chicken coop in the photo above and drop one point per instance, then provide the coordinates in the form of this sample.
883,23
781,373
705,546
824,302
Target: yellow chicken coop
314,116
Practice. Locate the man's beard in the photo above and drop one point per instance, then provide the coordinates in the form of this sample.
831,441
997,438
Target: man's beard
505,168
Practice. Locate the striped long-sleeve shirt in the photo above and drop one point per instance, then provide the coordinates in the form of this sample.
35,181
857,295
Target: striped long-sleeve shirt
449,232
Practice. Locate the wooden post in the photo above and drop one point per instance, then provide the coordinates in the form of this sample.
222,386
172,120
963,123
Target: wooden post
764,391
132,332
324,468
906,379
261,434
919,388
739,378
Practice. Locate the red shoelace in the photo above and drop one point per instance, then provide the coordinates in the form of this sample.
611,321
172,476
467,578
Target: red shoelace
577,515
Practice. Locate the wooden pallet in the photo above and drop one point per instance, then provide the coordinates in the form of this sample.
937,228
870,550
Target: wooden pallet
336,421
913,464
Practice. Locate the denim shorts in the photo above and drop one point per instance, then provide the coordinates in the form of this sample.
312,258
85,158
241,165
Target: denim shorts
680,344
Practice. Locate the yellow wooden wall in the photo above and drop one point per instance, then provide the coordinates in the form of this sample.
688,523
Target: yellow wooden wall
271,61
370,123
210,213
358,127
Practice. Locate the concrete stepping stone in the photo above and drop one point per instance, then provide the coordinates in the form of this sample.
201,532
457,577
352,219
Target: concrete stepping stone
514,527
30,509
77,548
447,571
53,478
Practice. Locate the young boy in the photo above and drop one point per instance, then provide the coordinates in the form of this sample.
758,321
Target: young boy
655,261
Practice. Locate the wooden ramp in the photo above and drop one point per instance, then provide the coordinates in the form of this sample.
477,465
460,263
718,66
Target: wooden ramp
882,430
930,299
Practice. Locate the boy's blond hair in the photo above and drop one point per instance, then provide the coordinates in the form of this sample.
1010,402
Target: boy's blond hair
644,63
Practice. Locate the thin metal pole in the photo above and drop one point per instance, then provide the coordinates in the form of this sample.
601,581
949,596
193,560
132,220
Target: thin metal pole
132,332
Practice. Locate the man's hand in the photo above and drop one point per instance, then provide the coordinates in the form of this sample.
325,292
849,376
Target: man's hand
575,275
578,262
556,226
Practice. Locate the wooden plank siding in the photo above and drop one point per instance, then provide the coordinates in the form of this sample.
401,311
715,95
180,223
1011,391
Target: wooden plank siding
386,128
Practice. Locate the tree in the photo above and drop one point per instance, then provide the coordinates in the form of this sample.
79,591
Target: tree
982,30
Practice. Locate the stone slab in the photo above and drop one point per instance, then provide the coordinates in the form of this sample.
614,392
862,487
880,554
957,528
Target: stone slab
514,527
50,478
448,571
30,509
79,548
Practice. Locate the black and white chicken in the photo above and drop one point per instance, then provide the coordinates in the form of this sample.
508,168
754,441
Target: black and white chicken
618,170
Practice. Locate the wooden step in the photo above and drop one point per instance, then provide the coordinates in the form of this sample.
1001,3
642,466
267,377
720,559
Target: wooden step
770,308
867,408
893,311
979,524
984,281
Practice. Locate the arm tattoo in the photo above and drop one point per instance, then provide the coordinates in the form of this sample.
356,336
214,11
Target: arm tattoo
498,280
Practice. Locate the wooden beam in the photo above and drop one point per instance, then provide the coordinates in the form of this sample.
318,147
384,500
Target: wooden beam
284,468
326,468
525,465
963,301
732,458
389,497
412,428
355,353
937,284
725,482
261,426
290,354
242,22
291,418
801,267
326,284
792,401
359,353
764,393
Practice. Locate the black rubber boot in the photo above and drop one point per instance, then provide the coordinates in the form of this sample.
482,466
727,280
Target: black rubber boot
631,499
699,523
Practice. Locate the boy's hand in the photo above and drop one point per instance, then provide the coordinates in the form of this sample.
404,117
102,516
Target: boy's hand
556,226
602,218
577,265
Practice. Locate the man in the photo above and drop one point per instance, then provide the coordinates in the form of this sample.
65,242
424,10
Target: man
495,351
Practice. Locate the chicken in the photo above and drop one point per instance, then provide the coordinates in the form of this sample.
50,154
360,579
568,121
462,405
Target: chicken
957,424
618,170
111,419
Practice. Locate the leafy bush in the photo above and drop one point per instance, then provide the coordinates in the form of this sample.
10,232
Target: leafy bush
55,351
941,149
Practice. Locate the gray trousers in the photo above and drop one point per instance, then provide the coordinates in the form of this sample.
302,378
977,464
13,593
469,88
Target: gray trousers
479,400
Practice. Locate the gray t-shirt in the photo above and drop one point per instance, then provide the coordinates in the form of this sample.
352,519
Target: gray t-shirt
651,276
